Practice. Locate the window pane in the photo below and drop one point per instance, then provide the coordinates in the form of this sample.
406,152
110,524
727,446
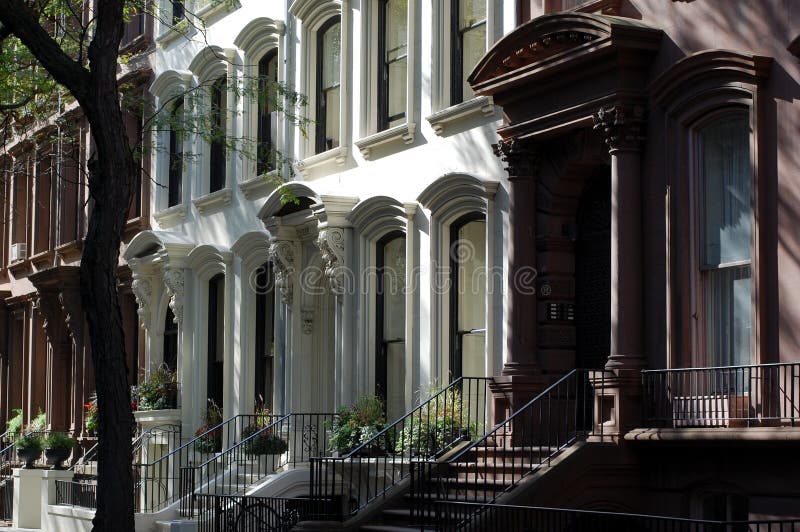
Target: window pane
397,91
725,150
728,316
474,43
394,324
267,117
396,29
470,252
470,12
331,46
332,119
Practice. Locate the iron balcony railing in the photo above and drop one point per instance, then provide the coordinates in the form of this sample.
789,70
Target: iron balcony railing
453,415
451,516
157,477
730,396
261,451
223,513
71,493
531,437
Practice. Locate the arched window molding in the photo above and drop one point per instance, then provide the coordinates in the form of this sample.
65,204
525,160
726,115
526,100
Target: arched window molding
168,88
313,14
261,36
448,199
212,65
275,201
250,251
691,93
206,262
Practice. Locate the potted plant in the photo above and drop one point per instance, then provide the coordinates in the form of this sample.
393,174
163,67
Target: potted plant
159,391
57,448
436,426
355,425
91,421
210,440
29,449
265,442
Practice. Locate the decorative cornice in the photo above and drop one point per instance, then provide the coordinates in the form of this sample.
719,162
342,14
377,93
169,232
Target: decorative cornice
213,201
483,105
281,253
404,132
522,161
173,280
331,245
172,215
622,126
142,291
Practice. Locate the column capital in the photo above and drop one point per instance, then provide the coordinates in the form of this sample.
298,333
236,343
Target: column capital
281,253
520,156
622,126
330,242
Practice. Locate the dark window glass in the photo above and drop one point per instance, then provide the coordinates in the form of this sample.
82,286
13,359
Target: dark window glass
267,115
216,338
218,131
178,11
390,365
175,185
468,45
265,336
328,85
171,341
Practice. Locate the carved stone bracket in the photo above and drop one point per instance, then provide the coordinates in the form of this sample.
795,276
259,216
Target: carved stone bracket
70,298
521,159
281,253
621,126
331,245
49,307
307,317
173,279
142,291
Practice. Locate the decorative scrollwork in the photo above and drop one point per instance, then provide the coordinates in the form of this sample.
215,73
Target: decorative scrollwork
621,126
173,279
522,161
281,253
331,245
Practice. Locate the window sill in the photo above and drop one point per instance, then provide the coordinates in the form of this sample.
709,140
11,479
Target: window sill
172,215
260,185
483,105
214,201
404,132
337,155
172,33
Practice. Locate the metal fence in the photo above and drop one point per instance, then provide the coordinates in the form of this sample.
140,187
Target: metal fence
71,493
224,513
731,396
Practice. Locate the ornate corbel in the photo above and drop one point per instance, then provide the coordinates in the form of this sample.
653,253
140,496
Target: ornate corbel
331,245
622,126
281,253
522,161
142,291
307,317
49,307
173,280
70,299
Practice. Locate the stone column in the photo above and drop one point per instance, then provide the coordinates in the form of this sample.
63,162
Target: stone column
521,376
618,389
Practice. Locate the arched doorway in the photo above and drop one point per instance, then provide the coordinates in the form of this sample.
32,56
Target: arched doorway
593,272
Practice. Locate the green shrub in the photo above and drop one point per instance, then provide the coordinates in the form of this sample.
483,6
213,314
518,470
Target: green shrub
356,425
263,443
29,441
157,392
58,440
212,441
435,426
14,425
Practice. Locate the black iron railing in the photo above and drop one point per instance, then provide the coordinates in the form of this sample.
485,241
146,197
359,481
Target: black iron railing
531,437
454,415
262,450
71,493
222,513
158,479
6,497
478,517
733,396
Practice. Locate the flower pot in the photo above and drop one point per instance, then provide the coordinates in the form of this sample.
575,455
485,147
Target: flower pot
29,455
56,456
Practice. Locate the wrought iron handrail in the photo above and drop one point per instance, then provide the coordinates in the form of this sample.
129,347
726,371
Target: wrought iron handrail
722,396
158,481
289,440
72,493
530,437
452,415
477,517
238,512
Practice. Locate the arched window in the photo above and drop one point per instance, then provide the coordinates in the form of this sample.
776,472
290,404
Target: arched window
170,341
218,135
216,338
468,296
175,184
265,337
390,324
267,116
725,237
328,84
